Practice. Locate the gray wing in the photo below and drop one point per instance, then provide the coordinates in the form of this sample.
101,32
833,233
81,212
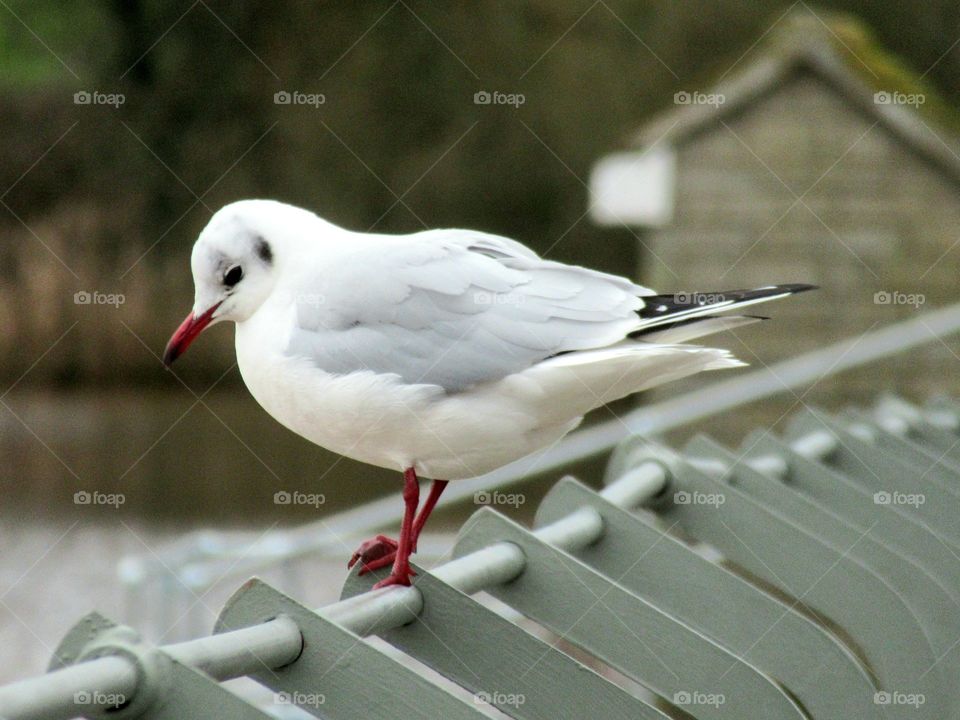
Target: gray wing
455,308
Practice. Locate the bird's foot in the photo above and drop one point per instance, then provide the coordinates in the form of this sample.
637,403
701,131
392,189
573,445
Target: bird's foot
375,553
397,576
384,561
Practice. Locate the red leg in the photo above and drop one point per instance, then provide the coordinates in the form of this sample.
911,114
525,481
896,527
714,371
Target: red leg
381,550
400,574
436,489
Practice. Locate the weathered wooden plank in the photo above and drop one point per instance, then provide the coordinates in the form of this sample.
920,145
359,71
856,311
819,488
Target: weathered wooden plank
816,667
498,661
589,609
836,585
935,610
338,675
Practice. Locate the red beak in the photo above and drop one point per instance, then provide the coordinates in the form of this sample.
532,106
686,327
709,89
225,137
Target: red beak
185,334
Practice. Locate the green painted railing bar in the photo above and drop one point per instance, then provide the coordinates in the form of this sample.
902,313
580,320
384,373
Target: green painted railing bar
840,587
338,675
164,688
903,447
822,673
934,609
940,438
856,503
518,673
627,632
802,596
933,426
884,472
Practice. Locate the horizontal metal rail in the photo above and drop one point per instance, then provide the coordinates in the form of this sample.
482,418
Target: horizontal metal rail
278,642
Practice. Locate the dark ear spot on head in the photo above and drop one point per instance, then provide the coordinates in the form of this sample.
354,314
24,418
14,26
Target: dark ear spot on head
264,251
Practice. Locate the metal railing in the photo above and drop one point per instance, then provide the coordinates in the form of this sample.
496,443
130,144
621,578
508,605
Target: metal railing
890,604
171,579
851,520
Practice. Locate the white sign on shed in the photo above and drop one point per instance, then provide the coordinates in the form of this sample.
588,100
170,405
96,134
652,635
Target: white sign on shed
633,188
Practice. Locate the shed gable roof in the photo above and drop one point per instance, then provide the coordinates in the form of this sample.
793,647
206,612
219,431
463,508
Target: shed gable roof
840,52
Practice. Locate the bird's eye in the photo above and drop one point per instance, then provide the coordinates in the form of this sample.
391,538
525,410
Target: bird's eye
233,276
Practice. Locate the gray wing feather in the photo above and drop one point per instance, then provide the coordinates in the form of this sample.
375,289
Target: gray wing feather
456,308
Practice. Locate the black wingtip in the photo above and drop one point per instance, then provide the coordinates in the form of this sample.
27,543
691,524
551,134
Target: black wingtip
696,304
795,288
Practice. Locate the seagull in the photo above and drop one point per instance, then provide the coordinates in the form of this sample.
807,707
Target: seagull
442,354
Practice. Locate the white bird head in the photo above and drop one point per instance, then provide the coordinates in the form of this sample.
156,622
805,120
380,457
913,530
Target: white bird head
235,263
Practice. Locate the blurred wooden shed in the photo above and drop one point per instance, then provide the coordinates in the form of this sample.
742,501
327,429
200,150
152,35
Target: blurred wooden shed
815,156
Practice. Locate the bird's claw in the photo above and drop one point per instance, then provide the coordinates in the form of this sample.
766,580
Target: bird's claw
382,562
401,577
375,553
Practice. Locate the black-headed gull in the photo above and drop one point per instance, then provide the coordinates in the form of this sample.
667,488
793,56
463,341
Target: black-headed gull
442,354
